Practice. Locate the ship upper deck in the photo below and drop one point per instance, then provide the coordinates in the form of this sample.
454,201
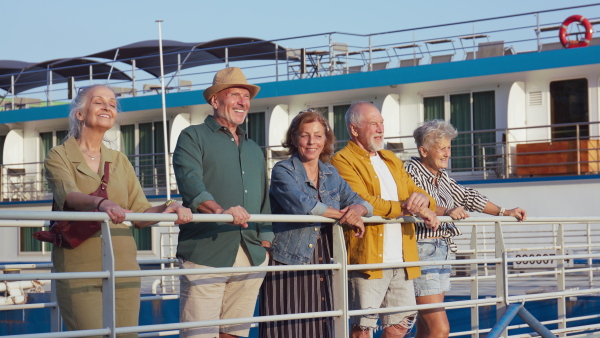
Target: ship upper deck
318,63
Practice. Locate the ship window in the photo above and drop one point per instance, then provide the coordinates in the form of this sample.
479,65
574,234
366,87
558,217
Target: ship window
339,126
337,120
148,160
255,126
469,112
569,104
434,108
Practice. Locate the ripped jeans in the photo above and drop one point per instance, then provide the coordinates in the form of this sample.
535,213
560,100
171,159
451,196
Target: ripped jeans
390,291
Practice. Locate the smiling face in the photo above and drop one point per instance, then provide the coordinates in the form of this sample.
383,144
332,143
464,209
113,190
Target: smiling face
100,110
231,106
437,156
368,134
310,141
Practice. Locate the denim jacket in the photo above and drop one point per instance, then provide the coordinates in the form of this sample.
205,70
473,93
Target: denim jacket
292,192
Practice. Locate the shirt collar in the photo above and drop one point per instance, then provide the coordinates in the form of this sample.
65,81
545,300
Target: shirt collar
417,162
212,123
75,154
357,150
323,169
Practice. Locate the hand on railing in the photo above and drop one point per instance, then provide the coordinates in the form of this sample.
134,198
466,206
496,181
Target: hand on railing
429,218
457,213
353,217
517,213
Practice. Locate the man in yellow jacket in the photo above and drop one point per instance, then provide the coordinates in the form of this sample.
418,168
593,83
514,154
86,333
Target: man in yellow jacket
378,176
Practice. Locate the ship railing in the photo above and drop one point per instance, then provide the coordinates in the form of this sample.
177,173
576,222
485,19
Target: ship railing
502,284
490,154
317,55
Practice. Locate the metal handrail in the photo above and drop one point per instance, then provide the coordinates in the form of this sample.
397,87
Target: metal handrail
341,313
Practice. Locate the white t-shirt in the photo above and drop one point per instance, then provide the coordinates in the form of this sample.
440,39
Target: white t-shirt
392,233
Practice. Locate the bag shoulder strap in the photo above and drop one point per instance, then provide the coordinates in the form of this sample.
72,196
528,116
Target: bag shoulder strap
102,186
106,175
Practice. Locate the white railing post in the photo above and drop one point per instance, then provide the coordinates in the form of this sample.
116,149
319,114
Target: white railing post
561,282
55,318
588,231
501,274
474,273
340,280
108,285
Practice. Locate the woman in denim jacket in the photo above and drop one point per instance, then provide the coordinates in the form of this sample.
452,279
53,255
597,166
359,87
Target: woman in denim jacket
306,185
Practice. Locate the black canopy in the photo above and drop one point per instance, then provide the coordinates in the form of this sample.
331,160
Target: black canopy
145,56
31,75
146,53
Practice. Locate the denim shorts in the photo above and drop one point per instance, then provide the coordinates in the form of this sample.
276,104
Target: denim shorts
435,279
392,290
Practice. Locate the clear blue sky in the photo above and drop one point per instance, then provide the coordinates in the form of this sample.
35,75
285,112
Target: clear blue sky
39,30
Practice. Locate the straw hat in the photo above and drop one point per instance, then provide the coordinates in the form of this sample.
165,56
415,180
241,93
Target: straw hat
227,78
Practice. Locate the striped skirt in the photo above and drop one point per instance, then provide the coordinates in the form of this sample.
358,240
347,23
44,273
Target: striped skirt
299,292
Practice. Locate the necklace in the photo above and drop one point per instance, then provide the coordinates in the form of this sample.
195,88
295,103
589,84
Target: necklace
85,152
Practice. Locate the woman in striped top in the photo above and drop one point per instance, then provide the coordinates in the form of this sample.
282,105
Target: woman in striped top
428,171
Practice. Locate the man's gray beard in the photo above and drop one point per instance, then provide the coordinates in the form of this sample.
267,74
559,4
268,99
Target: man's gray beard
374,147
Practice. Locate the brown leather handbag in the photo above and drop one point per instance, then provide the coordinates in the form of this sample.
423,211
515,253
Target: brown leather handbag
70,234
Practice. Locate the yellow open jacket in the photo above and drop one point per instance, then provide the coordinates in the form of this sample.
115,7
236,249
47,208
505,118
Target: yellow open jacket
354,165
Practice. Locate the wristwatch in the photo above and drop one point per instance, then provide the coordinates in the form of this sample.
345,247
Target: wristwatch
169,202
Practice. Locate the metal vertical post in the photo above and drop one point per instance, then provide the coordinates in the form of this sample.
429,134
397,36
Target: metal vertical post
303,63
108,284
505,153
133,91
340,280
370,55
331,55
12,92
49,86
537,32
276,62
226,57
561,282
501,274
474,273
589,252
55,318
178,72
473,40
578,147
164,113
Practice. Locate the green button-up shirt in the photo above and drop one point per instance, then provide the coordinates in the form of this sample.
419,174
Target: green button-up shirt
210,165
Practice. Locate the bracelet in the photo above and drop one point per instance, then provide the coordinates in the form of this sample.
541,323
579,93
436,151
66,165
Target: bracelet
169,202
447,212
501,213
98,205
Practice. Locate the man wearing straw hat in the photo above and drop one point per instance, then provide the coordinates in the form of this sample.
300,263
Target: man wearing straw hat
219,170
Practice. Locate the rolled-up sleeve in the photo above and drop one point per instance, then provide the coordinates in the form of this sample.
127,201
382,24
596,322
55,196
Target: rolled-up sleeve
187,164
471,199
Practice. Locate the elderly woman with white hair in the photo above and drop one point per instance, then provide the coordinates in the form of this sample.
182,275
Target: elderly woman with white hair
77,168
433,140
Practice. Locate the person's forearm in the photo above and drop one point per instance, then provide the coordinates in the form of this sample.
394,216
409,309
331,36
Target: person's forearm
82,202
491,209
210,207
333,213
441,211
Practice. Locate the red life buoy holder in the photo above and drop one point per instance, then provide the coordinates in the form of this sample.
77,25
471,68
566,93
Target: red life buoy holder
562,33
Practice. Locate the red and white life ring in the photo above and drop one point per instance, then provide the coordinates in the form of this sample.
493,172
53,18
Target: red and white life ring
562,33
